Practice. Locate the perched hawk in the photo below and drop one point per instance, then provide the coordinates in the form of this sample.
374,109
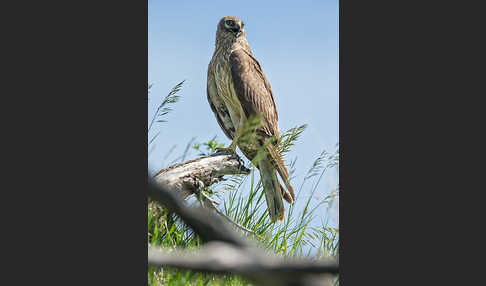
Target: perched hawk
237,89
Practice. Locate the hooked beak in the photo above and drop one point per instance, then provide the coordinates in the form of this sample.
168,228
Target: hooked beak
237,30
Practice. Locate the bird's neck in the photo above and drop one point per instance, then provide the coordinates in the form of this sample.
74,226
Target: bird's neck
228,45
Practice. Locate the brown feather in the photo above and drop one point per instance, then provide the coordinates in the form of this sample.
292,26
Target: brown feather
284,174
221,111
256,96
253,90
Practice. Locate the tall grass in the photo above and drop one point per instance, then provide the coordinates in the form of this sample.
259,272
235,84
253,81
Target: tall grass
163,109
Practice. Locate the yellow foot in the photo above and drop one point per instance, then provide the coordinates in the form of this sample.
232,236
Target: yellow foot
229,150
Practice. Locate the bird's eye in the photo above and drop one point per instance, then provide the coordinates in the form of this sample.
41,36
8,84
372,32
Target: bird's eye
230,22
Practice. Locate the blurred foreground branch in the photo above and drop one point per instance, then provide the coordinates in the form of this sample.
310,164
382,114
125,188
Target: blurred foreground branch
227,252
264,269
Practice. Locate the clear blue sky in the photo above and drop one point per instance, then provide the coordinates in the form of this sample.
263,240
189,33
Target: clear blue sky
296,42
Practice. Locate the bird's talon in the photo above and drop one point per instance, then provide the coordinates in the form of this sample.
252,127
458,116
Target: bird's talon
225,150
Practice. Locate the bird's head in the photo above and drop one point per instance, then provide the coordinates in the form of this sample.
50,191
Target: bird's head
231,27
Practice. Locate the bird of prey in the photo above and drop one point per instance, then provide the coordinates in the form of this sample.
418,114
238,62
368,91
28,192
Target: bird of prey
237,89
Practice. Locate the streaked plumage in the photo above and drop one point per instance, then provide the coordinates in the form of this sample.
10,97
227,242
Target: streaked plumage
237,88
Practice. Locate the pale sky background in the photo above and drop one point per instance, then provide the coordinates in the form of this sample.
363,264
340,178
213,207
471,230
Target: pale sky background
296,43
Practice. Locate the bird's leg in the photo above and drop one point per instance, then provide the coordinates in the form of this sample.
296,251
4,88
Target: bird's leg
232,147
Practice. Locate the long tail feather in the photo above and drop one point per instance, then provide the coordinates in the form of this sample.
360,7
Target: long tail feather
285,194
284,174
271,186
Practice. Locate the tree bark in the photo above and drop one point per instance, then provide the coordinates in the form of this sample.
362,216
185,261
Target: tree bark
186,178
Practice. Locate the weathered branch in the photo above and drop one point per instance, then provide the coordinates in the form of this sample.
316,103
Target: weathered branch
189,177
185,178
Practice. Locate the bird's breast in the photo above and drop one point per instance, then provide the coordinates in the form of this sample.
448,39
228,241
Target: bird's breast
226,91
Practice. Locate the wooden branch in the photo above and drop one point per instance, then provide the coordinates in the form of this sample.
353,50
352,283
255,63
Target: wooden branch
264,269
191,176
185,178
